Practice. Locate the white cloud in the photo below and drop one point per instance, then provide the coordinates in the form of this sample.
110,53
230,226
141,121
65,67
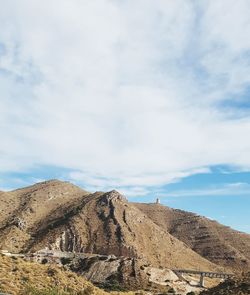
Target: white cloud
123,92
228,189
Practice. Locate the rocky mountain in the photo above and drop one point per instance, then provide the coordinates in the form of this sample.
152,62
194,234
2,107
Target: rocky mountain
217,243
60,216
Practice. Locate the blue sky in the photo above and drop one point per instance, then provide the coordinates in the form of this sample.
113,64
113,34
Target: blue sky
148,97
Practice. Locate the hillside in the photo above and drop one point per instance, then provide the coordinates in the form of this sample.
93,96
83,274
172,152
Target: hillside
18,277
59,215
236,286
21,277
26,213
217,243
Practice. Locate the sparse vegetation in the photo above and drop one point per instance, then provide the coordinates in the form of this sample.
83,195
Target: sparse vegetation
30,290
234,286
112,286
37,279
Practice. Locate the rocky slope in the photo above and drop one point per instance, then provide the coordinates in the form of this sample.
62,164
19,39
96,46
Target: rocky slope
21,277
236,286
217,243
27,214
131,273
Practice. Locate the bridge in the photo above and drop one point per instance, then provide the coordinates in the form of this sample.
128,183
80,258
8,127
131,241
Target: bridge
203,274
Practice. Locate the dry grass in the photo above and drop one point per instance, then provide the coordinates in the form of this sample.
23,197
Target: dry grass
19,277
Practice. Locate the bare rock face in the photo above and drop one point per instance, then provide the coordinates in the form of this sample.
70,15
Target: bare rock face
129,273
108,270
107,224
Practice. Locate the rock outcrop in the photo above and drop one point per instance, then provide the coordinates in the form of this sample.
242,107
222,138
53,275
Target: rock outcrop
129,273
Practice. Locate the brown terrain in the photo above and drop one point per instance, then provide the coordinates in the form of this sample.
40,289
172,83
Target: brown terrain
146,240
21,277
217,243
236,286
59,215
18,277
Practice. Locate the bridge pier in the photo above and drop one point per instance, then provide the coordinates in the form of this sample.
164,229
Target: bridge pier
202,280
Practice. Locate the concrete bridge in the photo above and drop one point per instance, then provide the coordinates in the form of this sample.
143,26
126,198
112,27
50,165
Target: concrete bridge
203,274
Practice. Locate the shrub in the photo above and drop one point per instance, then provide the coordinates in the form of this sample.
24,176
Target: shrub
44,261
13,257
65,260
51,272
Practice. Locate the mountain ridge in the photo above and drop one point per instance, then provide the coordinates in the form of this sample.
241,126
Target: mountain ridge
59,215
217,243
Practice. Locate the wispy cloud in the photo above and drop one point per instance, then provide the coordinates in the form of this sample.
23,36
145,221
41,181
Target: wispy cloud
125,92
229,189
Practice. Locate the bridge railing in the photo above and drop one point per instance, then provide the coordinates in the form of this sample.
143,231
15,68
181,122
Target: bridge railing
204,273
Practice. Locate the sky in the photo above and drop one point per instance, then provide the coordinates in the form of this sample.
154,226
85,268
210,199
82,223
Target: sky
149,97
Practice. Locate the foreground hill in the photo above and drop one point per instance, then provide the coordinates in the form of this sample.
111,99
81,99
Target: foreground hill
217,243
18,277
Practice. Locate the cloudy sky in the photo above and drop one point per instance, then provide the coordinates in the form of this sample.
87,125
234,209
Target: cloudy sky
150,97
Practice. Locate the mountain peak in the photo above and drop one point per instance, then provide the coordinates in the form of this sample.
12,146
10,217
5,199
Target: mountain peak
114,195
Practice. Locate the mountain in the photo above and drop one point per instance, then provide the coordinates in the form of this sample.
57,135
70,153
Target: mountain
61,216
217,243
